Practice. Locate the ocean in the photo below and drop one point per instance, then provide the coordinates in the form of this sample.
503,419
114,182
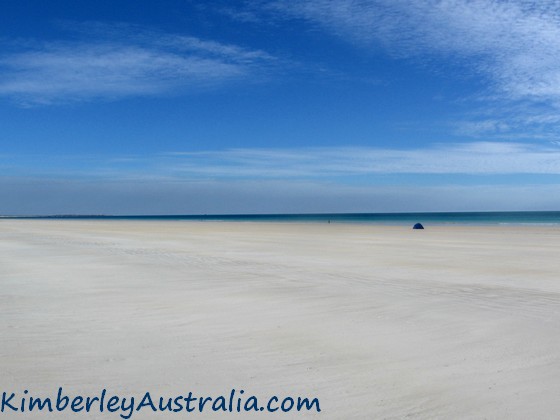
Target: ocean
447,218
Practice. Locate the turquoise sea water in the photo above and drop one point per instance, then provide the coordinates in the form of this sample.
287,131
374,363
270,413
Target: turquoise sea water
471,218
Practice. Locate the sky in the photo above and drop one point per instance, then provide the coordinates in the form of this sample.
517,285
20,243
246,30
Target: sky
314,106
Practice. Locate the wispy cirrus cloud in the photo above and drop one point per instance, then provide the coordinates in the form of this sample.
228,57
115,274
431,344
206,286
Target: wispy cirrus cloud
116,61
513,42
513,46
336,164
286,180
479,158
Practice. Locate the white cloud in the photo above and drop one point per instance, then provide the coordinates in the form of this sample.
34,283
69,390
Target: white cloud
514,42
332,163
480,158
287,180
512,47
129,63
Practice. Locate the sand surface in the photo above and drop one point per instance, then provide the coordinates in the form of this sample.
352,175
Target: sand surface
375,321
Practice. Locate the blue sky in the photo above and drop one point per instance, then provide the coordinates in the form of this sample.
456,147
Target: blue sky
137,107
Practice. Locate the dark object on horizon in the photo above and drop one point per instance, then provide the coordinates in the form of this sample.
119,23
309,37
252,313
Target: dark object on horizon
418,226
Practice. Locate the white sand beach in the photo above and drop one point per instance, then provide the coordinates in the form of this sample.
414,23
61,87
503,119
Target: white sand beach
453,322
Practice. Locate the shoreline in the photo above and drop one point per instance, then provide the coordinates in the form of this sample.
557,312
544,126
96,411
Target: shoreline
514,218
264,223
